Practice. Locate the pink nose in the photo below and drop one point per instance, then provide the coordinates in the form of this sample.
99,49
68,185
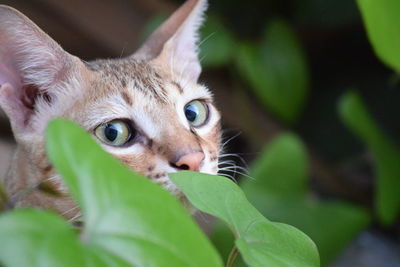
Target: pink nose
191,161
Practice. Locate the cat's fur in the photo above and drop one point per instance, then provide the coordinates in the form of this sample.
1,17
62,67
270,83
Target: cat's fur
40,81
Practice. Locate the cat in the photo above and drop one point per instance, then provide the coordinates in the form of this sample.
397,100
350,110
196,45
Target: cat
148,109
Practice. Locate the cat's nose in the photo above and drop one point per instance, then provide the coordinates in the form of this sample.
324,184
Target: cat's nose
190,161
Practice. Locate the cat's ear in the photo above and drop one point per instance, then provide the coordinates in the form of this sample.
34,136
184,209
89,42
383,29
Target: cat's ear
31,66
174,43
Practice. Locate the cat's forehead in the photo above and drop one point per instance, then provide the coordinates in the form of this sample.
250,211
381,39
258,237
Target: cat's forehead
128,88
141,77
112,76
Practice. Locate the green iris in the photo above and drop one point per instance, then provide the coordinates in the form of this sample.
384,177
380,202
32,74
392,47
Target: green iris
196,112
114,133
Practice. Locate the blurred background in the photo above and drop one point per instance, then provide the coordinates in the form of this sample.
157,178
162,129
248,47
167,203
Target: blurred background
308,109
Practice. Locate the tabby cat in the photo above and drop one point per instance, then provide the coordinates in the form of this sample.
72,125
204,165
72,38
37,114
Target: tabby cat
147,110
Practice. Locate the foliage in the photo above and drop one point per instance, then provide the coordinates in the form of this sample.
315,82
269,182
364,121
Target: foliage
381,19
276,70
260,241
280,190
382,24
217,48
130,221
386,155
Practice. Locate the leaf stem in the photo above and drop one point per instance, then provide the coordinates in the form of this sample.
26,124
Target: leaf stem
232,257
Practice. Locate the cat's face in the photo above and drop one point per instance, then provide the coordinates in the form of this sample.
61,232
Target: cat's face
154,121
147,110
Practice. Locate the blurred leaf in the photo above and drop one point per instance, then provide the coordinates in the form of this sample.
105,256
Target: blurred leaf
128,220
217,45
42,239
274,165
382,22
277,71
261,242
279,192
386,155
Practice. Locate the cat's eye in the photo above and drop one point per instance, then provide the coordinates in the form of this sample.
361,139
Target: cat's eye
196,113
114,133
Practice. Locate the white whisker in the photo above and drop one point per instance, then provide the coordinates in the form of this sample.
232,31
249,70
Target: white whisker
234,155
230,139
75,217
54,177
229,176
68,211
206,39
238,172
225,162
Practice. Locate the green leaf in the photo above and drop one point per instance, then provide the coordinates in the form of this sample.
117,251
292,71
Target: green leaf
274,165
381,19
38,238
279,191
217,46
261,242
277,71
124,213
128,220
385,153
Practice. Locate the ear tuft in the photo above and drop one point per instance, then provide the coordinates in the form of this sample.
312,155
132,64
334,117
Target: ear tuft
174,43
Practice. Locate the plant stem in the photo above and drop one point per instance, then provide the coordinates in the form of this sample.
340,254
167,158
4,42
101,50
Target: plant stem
232,257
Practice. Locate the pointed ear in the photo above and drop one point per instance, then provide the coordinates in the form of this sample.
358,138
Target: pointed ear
174,43
31,64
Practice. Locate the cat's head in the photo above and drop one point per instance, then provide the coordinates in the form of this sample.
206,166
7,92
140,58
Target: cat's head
148,110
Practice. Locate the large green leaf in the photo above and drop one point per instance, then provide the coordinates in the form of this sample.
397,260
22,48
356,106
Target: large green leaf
382,21
386,155
260,241
277,70
123,212
128,220
279,191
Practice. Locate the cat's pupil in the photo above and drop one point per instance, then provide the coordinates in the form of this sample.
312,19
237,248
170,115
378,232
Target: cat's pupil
111,132
191,113
115,133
